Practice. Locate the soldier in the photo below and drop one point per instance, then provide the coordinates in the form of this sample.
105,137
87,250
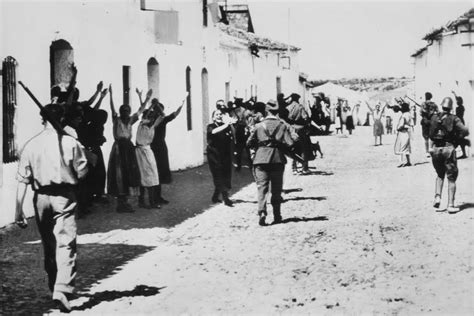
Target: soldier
446,130
270,138
53,164
300,120
428,109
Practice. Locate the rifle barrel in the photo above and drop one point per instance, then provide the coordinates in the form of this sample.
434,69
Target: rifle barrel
38,103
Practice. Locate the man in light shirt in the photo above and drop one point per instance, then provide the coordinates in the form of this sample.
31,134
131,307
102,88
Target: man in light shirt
53,164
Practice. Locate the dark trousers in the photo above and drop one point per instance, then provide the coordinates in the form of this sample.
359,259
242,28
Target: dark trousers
54,211
267,175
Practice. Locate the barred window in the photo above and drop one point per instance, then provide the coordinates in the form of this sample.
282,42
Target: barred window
10,150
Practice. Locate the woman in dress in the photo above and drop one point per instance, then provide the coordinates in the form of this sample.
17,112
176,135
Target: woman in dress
377,114
219,155
159,147
146,159
349,117
123,172
403,142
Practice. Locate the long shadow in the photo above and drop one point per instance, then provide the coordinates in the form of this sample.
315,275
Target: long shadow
465,206
302,198
110,296
318,173
303,219
287,191
24,289
420,163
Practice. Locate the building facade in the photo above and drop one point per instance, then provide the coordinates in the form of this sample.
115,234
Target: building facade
446,64
169,46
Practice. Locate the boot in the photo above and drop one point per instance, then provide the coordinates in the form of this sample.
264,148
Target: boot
152,199
276,214
215,197
227,201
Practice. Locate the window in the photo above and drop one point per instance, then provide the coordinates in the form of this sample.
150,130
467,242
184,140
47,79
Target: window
188,99
204,13
10,150
278,85
61,57
166,27
126,84
153,72
227,92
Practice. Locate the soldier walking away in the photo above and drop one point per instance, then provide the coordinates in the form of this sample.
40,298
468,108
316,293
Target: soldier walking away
299,119
428,109
460,109
53,164
270,138
446,130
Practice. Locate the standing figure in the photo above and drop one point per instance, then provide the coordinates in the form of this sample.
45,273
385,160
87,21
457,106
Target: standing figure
349,117
428,109
219,155
240,114
159,147
123,172
378,126
403,142
299,119
53,164
389,124
445,131
146,159
269,138
460,113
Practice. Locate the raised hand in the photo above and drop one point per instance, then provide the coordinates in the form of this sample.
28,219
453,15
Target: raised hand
149,93
110,89
103,93
100,85
138,92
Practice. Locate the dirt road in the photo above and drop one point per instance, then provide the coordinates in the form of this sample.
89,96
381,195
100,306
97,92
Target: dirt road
359,237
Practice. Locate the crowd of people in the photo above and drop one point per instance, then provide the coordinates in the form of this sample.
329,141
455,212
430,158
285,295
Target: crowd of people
65,165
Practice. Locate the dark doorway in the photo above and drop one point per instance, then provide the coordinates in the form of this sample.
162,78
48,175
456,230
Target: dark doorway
188,99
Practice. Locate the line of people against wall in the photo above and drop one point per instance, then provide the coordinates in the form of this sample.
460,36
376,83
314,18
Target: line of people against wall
145,165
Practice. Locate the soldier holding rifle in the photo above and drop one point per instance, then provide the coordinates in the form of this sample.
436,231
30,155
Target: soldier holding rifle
53,163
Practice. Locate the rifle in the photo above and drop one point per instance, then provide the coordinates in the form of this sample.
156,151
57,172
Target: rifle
413,100
44,112
90,156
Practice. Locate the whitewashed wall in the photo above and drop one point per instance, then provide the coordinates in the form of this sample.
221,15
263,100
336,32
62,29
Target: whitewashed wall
442,64
106,35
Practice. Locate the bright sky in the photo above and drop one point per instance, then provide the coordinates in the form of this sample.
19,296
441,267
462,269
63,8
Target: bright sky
353,38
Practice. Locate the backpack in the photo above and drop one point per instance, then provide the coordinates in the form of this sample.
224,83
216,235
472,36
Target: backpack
441,127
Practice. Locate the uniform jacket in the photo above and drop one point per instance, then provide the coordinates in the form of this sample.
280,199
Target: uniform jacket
270,154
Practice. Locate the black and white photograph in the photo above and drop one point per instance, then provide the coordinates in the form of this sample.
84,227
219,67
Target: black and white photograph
236,157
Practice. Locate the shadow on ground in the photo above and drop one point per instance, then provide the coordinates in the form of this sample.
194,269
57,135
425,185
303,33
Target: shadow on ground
302,198
304,219
110,296
466,206
24,287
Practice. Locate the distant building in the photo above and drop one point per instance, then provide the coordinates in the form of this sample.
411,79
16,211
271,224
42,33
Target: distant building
170,46
446,63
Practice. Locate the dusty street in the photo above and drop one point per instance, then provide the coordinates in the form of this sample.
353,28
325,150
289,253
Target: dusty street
359,237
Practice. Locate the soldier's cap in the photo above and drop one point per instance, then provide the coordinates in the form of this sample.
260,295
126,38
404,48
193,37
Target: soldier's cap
447,103
271,105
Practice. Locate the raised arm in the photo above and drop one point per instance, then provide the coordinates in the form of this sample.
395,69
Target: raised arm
112,108
142,103
102,96
368,105
72,85
91,100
